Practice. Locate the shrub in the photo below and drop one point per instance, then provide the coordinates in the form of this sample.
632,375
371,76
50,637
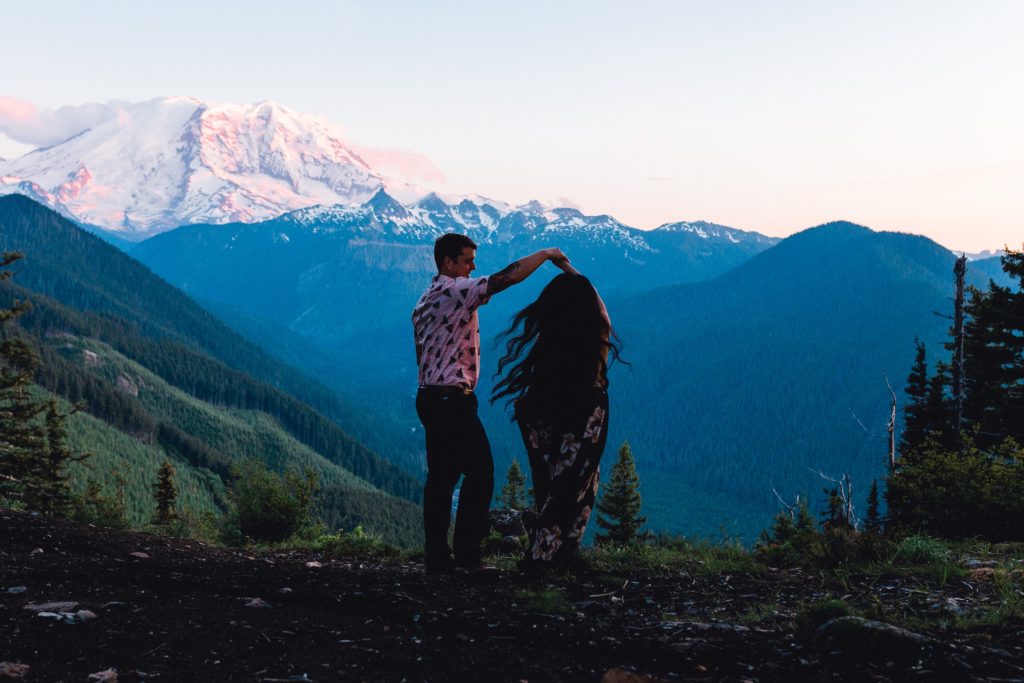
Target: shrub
93,506
959,493
355,543
266,506
812,616
791,540
917,550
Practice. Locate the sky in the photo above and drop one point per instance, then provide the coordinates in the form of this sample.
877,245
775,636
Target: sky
771,117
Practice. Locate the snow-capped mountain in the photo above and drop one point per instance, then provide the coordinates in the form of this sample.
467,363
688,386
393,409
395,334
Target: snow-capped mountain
174,161
421,222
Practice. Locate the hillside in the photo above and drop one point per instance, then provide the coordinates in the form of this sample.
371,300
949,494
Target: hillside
183,610
776,370
142,374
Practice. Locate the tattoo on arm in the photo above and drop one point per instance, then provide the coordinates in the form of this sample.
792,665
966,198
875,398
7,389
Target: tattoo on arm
503,279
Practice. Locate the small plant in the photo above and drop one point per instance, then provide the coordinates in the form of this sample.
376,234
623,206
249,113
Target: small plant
792,538
355,543
550,601
202,527
812,616
94,506
922,550
760,613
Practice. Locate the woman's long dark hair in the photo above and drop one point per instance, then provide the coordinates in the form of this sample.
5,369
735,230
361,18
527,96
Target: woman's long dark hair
562,346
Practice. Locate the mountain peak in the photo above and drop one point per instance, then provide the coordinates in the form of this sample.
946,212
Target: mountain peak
171,161
384,205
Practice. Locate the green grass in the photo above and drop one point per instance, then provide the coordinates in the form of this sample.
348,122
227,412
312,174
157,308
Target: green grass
550,601
760,613
672,556
811,616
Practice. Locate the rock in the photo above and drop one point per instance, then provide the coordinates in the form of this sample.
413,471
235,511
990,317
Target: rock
507,522
85,615
37,551
313,564
705,627
90,357
52,606
108,676
982,574
13,669
126,385
17,590
856,634
257,602
138,554
981,564
285,590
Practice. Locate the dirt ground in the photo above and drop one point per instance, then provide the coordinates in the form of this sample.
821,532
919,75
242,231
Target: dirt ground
153,607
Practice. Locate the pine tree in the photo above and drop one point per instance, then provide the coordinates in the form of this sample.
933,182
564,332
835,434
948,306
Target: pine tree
166,494
994,358
49,491
619,507
513,493
915,428
873,524
22,437
33,452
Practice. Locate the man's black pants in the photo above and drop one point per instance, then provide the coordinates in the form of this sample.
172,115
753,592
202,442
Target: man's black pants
456,446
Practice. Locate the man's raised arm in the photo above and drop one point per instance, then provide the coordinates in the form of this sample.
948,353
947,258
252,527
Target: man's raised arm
517,271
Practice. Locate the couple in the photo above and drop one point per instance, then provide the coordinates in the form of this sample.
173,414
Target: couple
557,378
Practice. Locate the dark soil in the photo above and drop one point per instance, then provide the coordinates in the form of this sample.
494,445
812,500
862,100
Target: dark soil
180,613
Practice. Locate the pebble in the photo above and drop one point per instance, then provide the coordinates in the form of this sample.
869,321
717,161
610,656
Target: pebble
52,606
257,602
108,676
139,555
13,669
17,590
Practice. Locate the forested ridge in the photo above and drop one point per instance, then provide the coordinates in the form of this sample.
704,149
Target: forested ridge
147,377
151,322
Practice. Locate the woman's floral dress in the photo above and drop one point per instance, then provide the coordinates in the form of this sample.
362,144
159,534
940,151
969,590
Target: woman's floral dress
564,448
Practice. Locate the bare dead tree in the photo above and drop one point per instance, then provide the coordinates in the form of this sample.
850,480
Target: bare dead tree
891,427
844,489
791,509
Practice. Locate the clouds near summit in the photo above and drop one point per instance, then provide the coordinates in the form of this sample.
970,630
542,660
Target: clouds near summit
22,121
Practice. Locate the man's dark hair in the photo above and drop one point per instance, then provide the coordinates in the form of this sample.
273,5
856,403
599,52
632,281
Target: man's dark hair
450,245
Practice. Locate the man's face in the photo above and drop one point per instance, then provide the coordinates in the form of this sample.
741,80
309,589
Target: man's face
463,265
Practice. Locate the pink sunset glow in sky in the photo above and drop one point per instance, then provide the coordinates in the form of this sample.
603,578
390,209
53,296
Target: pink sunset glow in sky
763,116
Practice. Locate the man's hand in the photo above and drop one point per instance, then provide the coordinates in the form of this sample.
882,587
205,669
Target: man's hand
517,271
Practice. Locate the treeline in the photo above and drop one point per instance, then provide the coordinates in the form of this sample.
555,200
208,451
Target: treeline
960,470
194,373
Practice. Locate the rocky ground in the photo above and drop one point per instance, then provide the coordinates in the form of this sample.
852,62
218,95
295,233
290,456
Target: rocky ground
139,606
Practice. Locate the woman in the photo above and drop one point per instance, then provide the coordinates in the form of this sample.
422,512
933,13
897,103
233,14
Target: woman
558,379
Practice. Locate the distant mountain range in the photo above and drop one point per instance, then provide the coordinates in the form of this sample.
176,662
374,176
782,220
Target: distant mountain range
176,161
736,342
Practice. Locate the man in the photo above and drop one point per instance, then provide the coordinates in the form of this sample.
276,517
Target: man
447,337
